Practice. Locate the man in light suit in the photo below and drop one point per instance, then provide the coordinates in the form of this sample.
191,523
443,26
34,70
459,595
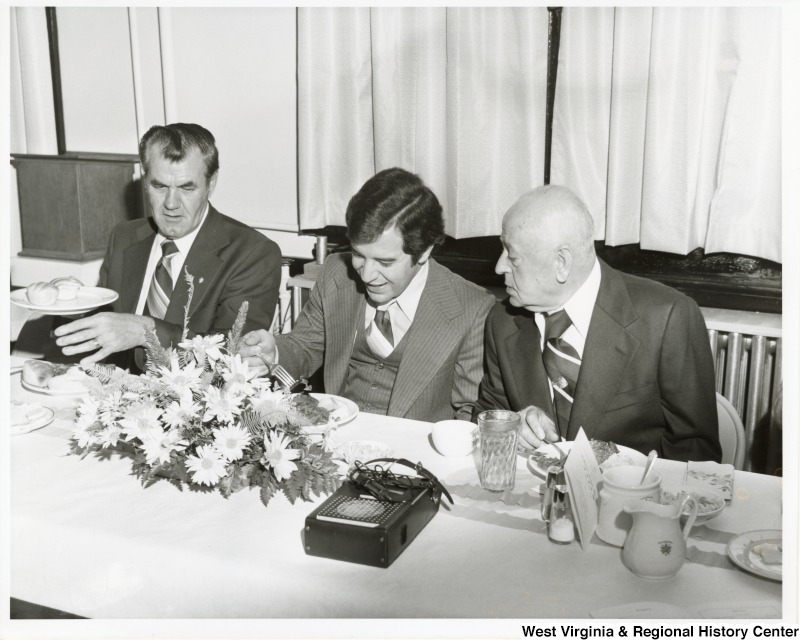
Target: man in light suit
626,358
396,332
147,259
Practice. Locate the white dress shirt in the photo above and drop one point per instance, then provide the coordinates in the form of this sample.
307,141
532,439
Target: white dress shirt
401,310
184,244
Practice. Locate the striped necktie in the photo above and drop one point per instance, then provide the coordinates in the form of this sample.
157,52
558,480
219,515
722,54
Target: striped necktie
161,285
562,363
383,323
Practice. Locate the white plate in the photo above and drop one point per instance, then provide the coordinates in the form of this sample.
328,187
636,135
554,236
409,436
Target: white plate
50,392
16,363
88,298
625,456
341,411
362,450
43,421
740,551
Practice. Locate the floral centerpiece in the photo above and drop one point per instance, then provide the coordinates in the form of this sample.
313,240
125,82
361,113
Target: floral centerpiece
200,416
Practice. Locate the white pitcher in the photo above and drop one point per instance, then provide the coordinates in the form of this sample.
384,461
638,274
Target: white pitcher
656,547
621,484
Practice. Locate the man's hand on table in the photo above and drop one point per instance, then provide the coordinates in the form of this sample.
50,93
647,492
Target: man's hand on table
259,350
104,333
536,428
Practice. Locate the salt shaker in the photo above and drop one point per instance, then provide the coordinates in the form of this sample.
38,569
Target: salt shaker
561,529
555,479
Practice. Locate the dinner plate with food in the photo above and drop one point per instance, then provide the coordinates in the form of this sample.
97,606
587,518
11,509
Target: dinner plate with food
27,417
710,503
607,454
321,412
62,297
53,379
759,552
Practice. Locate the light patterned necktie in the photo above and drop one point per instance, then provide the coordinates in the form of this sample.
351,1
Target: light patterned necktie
161,285
383,323
562,363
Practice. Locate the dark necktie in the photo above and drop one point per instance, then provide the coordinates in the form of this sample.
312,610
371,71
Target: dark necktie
562,364
161,286
384,324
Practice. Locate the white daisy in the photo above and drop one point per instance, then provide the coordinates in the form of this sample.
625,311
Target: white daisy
109,408
220,404
205,347
238,376
231,442
182,380
109,436
83,436
139,419
88,410
159,444
268,401
278,457
207,467
179,414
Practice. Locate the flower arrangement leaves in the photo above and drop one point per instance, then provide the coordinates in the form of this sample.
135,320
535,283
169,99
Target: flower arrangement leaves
202,418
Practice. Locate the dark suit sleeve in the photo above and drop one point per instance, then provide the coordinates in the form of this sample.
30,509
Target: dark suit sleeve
686,382
254,277
492,393
469,362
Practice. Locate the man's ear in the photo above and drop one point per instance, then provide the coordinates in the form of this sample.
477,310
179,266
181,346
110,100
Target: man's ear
425,255
212,183
564,261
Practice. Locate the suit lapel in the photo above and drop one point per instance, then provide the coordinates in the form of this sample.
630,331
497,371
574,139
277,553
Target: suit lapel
526,382
341,326
202,263
608,351
134,265
431,339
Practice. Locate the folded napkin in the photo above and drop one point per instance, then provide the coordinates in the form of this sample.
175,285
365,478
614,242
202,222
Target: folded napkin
711,475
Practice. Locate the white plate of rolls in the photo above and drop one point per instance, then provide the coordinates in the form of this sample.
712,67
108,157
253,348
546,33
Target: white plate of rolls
53,379
62,297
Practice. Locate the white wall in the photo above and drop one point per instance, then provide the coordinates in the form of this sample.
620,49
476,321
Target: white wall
125,69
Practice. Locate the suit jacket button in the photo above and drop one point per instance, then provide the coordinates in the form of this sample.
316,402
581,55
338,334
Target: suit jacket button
379,365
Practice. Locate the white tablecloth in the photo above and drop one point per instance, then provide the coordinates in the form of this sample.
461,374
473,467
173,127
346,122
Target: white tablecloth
88,539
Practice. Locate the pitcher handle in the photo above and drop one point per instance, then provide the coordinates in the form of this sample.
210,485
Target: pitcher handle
689,498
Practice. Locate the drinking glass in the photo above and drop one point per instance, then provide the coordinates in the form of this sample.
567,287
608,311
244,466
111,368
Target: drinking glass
498,449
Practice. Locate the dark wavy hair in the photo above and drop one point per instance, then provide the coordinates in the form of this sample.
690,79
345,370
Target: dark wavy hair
176,140
396,197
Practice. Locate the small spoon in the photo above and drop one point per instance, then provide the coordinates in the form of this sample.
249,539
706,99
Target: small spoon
651,458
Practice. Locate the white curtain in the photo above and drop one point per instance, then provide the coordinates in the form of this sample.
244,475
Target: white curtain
667,123
455,95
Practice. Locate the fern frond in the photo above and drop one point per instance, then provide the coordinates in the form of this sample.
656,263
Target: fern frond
235,334
156,354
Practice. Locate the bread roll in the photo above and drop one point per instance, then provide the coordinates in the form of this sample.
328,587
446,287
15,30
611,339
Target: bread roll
38,373
42,294
67,287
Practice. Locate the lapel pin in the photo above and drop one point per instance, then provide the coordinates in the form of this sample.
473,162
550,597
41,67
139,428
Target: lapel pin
200,281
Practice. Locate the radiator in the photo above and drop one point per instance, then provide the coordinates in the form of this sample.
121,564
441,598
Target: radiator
748,374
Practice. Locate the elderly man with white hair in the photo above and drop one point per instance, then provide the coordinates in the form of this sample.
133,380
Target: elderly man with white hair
579,344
